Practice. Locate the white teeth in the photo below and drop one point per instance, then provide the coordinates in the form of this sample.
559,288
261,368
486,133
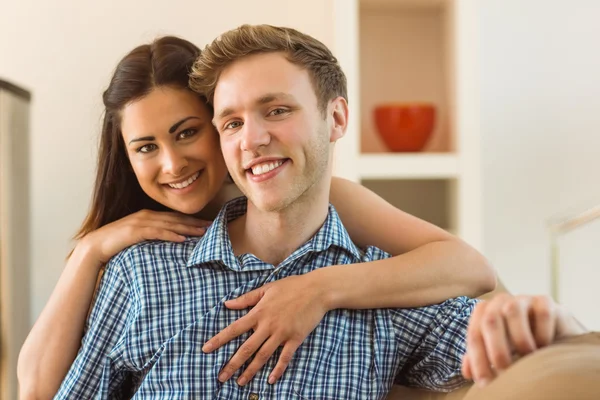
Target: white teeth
266,167
185,183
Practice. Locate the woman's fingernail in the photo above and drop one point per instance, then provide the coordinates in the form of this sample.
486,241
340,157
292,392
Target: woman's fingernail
242,381
207,348
271,380
223,377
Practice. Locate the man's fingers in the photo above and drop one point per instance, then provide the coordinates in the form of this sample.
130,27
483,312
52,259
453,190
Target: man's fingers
543,319
284,359
466,367
234,330
494,336
479,362
260,359
246,351
516,314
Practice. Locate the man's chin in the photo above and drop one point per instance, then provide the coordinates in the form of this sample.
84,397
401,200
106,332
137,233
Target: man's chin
270,204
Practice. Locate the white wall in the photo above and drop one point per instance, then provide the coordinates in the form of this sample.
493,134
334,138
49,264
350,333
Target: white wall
579,261
64,52
540,113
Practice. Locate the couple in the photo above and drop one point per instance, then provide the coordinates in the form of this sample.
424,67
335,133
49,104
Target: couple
171,318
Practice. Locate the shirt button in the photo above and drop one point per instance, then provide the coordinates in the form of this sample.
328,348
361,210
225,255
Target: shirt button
253,396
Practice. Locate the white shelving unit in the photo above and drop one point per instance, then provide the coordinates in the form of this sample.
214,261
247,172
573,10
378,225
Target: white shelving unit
408,166
414,51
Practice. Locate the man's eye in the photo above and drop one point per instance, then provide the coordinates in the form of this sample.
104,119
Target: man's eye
233,125
147,148
278,111
187,133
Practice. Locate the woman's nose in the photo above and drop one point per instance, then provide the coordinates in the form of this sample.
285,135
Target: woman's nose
174,163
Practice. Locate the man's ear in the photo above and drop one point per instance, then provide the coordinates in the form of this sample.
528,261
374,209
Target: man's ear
338,109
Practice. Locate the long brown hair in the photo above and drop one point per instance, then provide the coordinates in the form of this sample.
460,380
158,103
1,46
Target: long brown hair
165,62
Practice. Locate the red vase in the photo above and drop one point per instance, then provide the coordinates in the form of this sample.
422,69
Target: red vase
405,127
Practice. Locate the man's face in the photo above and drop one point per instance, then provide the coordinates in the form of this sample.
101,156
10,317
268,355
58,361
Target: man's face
274,138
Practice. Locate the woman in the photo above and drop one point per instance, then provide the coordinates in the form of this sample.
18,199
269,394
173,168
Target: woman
160,170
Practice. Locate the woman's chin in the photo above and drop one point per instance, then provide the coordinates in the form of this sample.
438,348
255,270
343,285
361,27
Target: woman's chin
193,203
190,204
188,210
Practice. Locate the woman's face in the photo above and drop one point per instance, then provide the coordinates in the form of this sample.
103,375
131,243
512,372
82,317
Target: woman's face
174,149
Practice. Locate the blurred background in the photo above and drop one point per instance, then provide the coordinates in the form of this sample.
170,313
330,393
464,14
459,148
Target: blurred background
514,149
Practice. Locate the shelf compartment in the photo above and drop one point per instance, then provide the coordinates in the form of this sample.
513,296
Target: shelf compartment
408,166
405,56
428,199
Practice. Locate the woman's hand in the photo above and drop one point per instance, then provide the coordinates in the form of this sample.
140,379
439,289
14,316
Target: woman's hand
142,225
284,313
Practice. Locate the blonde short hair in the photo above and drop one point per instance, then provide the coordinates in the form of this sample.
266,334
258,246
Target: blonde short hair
303,50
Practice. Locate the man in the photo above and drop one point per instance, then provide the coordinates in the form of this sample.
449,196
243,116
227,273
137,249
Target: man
279,100
252,72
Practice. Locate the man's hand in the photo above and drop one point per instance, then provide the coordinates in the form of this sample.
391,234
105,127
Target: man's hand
284,313
508,326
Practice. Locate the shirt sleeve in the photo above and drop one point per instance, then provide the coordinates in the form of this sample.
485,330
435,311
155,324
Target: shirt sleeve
90,374
436,336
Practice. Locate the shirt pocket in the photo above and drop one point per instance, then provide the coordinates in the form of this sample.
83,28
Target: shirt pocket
338,359
180,369
173,370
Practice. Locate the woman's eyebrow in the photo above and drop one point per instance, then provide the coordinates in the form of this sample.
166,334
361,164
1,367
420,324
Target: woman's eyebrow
142,139
177,124
171,130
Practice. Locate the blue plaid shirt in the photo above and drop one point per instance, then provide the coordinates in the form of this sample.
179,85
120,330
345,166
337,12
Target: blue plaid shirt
159,302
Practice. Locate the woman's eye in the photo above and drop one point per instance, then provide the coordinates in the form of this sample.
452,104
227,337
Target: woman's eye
187,133
147,148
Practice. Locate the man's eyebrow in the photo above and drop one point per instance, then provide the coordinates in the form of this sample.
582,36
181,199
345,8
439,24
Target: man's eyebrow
265,99
269,97
224,113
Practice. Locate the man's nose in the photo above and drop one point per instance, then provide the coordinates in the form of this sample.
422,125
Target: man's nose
254,135
174,162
